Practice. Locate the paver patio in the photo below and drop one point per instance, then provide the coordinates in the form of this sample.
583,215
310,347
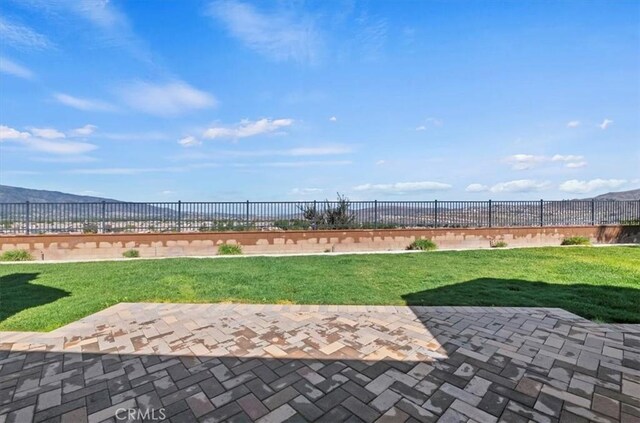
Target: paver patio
276,363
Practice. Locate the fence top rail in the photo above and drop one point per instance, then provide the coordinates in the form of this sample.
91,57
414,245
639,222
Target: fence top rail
319,202
367,202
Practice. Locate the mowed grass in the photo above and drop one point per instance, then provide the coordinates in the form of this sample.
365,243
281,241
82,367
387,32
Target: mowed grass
596,283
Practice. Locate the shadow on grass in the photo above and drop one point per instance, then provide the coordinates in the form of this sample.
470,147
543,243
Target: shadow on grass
17,293
601,303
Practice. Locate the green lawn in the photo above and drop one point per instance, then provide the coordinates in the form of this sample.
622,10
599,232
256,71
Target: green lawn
597,283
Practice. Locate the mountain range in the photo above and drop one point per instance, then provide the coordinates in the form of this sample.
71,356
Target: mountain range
10,194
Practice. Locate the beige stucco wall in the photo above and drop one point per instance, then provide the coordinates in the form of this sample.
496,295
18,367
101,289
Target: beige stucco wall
88,246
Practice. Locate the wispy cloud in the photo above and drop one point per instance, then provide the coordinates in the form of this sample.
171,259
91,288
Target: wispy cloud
111,25
573,124
59,147
84,131
12,68
134,136
520,185
21,36
476,188
524,161
165,99
247,128
605,124
85,104
333,119
529,161
430,122
65,159
189,141
371,36
125,170
319,151
328,150
305,163
279,36
403,187
306,191
48,133
581,187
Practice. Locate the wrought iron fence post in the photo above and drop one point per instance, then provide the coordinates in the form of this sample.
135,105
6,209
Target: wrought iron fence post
375,214
179,216
490,217
541,213
247,215
104,217
28,219
435,217
314,223
593,212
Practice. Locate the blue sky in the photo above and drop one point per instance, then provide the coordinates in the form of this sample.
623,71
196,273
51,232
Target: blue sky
293,100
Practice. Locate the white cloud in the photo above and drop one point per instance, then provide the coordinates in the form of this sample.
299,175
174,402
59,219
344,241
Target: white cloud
85,104
581,187
333,119
111,24
605,124
189,141
47,133
84,131
318,151
421,128
305,163
124,170
169,99
528,161
278,36
476,188
575,165
403,187
566,158
520,185
380,162
7,133
167,192
21,36
524,161
247,128
12,68
571,161
430,122
305,191
64,159
135,136
573,124
59,147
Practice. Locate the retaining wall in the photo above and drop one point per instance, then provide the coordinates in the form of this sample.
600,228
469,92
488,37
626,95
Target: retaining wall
77,246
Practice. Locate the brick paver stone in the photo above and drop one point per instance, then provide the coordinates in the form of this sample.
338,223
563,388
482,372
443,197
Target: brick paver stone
276,363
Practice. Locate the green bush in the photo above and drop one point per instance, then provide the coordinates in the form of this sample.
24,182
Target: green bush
90,228
576,240
16,255
498,244
229,250
630,222
291,225
422,244
131,254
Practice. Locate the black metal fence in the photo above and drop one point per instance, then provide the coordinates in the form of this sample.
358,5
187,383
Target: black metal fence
106,217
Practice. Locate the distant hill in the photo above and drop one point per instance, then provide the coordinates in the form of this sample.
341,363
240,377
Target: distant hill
20,195
633,194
